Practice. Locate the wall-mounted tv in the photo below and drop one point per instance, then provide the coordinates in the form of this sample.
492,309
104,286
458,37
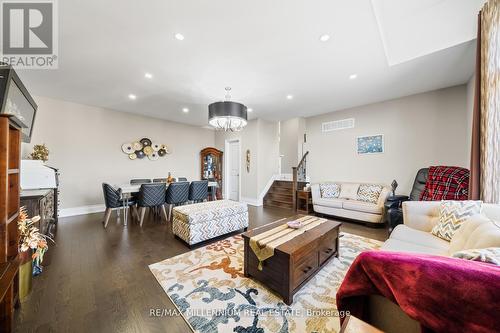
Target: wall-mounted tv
16,101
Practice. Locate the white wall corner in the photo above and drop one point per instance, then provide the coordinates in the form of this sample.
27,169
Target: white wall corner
82,210
251,201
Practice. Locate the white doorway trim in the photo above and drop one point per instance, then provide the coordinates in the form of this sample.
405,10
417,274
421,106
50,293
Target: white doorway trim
226,167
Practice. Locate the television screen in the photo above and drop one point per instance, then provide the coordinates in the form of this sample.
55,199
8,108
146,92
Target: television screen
18,106
15,100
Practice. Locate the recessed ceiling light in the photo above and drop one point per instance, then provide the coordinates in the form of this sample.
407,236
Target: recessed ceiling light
289,96
179,36
132,97
185,110
148,75
353,76
249,109
324,38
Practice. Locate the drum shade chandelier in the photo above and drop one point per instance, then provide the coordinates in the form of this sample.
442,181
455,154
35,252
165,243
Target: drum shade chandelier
227,115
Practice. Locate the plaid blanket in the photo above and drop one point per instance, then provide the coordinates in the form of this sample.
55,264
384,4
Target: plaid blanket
446,183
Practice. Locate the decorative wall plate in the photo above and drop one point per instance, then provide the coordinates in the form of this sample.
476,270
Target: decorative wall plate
162,152
137,145
132,156
156,146
127,148
148,150
153,157
140,154
145,142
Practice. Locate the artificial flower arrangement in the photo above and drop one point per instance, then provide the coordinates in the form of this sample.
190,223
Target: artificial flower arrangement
31,238
40,152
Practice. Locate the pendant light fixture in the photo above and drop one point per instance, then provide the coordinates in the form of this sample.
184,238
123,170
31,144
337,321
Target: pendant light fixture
227,115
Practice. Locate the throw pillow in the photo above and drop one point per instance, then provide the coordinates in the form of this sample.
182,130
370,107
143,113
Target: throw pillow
349,191
490,255
369,193
451,216
329,190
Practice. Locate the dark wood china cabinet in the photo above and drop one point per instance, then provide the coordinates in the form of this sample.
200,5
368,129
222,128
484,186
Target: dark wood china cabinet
211,168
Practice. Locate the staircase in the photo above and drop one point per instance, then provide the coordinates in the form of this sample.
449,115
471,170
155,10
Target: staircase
280,194
283,193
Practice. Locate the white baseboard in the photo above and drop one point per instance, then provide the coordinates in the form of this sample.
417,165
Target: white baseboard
82,210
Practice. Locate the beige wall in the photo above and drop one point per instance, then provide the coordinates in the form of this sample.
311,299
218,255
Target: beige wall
261,138
85,143
470,112
420,130
268,153
291,139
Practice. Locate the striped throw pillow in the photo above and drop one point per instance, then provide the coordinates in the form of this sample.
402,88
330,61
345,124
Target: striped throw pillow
452,214
329,191
369,193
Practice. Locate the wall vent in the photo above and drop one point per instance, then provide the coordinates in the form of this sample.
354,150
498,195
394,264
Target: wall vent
337,125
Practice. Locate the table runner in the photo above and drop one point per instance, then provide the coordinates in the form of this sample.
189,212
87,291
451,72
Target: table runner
263,245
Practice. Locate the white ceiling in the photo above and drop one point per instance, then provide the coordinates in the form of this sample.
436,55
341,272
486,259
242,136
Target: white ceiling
263,49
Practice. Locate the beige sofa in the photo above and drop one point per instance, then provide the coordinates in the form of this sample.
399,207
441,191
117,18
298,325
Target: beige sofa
479,231
421,216
347,208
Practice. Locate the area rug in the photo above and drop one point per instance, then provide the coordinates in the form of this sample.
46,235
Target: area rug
209,290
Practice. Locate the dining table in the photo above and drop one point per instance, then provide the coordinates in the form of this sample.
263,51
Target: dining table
128,189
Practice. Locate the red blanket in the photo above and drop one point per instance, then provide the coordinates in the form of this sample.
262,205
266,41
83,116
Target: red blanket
443,294
446,183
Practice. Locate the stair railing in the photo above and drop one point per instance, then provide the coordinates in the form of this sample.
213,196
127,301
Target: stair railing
299,174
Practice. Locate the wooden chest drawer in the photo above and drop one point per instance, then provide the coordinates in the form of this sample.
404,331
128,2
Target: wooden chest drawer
304,268
327,246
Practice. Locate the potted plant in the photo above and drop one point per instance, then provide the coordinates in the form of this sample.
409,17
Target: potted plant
32,247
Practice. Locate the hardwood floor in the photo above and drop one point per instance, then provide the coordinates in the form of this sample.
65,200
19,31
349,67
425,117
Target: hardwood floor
98,279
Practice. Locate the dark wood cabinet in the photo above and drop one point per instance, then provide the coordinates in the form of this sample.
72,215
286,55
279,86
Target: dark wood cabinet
211,168
10,161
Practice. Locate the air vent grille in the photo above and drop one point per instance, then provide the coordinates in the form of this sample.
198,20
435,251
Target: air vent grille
337,125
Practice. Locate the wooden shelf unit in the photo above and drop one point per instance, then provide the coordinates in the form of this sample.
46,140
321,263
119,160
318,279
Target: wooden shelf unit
10,161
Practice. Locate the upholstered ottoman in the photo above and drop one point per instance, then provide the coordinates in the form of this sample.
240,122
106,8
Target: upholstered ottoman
202,221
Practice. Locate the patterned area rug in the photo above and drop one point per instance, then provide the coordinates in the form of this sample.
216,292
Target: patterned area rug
209,290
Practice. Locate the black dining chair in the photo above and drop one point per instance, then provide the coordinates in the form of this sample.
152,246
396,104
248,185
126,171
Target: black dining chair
151,196
140,181
198,191
177,194
113,200
160,180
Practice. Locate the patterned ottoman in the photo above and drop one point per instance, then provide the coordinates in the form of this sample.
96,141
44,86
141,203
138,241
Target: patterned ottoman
201,221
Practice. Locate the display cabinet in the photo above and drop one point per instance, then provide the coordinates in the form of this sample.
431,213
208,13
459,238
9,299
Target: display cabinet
211,168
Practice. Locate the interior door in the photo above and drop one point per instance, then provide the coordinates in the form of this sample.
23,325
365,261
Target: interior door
234,170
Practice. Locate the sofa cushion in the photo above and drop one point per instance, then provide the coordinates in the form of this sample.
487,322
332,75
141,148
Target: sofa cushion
327,202
397,245
369,192
349,191
361,206
410,235
476,233
330,190
451,216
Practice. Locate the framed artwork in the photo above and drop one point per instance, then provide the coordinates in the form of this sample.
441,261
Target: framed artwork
371,144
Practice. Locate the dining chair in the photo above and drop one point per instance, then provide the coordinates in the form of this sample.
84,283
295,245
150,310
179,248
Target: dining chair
160,180
113,200
198,191
177,194
151,196
140,181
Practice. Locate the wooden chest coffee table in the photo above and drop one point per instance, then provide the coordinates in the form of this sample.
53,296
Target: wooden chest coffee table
294,262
